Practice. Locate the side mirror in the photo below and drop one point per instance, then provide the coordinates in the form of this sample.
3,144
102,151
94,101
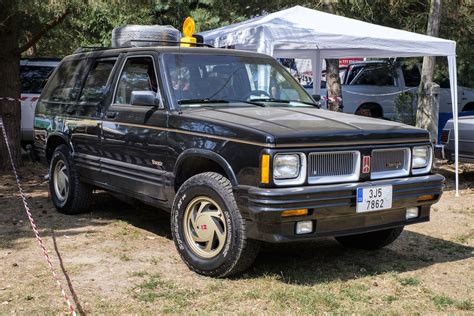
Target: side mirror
316,97
146,98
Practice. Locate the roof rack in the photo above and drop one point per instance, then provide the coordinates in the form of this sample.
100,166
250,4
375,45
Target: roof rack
85,49
169,42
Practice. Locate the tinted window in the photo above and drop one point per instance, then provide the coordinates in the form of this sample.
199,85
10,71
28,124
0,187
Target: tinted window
377,75
64,85
230,79
96,82
411,75
33,77
138,74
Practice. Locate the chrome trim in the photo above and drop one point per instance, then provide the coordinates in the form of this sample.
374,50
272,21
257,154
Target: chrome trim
353,176
302,175
405,171
424,170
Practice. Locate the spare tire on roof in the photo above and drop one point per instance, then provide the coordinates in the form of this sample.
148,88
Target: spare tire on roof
145,35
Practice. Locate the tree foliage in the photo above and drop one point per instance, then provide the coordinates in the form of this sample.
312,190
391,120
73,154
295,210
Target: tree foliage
91,21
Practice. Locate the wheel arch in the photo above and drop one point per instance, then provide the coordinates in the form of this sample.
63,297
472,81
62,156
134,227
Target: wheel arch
53,141
374,108
201,160
468,107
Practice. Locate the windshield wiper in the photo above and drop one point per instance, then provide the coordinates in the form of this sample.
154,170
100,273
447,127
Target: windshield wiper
283,101
192,101
207,101
249,102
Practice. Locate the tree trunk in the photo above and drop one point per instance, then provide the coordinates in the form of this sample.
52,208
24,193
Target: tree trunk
333,85
427,112
10,86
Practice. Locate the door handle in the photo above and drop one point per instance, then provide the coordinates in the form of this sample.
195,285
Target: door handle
111,115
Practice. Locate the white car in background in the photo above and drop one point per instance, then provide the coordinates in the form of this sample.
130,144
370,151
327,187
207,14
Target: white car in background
374,86
33,74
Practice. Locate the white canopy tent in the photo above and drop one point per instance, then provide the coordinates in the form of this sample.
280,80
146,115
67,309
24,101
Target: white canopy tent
299,32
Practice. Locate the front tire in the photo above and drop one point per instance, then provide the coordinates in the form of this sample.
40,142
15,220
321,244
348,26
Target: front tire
208,229
372,240
68,193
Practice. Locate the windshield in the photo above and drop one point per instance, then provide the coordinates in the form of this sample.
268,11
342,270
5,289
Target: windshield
220,80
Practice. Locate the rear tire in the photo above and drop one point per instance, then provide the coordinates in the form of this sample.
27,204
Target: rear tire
208,229
372,240
68,193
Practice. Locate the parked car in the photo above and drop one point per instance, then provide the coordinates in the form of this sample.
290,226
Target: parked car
445,150
374,85
233,147
33,74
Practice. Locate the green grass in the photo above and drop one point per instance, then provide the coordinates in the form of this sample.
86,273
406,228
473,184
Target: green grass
443,301
172,298
409,281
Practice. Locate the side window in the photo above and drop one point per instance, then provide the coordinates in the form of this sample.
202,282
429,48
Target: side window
96,82
32,78
376,76
138,74
412,76
63,86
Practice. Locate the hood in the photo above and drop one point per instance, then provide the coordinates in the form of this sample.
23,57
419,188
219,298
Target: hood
296,126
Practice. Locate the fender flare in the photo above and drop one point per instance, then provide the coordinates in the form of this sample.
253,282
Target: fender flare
203,153
63,137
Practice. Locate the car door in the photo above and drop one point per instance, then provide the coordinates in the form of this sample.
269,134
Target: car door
373,83
86,117
134,137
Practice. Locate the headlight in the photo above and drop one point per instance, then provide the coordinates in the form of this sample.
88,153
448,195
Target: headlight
421,159
286,166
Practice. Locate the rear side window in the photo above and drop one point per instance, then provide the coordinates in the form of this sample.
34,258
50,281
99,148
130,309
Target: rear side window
64,85
33,77
376,75
412,76
95,86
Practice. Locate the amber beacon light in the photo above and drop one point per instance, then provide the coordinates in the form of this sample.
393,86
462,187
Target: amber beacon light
188,31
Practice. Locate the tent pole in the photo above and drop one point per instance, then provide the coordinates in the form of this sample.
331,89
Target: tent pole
453,82
317,70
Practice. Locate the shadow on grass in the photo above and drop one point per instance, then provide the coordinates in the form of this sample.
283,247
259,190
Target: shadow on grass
325,260
298,263
310,262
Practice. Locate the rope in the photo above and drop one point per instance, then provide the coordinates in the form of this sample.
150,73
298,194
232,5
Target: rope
32,222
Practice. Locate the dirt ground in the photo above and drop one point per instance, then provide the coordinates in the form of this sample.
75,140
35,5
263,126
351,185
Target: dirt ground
121,259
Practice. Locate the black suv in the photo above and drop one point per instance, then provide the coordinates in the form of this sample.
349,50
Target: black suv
233,147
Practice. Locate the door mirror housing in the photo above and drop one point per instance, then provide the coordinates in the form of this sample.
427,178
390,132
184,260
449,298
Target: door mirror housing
146,98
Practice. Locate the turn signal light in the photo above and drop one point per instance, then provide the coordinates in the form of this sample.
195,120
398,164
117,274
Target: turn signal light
300,212
265,172
427,197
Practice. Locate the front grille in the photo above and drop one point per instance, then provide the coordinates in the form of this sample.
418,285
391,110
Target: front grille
326,167
445,136
389,163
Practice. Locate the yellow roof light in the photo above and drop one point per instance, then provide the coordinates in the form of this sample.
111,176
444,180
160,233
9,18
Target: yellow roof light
189,27
188,31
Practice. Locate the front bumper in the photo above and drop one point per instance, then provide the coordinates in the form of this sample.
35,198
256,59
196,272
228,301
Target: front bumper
332,208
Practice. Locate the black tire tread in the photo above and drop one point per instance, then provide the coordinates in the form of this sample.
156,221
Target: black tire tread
81,192
247,249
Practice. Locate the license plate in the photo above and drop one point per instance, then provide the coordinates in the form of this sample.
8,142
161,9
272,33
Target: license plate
374,198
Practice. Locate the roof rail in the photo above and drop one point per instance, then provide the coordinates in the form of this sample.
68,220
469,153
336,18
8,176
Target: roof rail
169,42
85,49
